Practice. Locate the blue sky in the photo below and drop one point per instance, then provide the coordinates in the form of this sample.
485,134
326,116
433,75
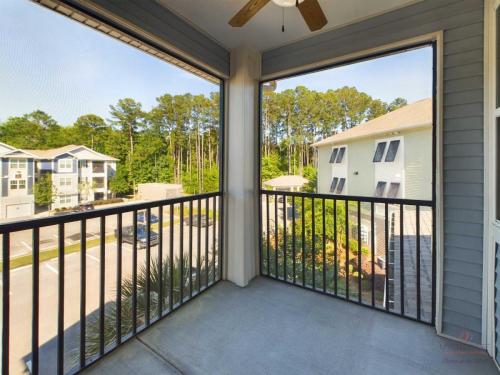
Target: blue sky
51,63
407,75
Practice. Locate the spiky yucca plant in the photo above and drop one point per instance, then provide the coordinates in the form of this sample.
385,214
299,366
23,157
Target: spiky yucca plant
92,337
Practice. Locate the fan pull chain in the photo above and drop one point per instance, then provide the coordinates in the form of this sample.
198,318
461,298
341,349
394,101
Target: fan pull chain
283,23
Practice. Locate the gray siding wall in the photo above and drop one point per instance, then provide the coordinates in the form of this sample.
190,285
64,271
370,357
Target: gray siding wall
462,22
5,177
159,21
31,175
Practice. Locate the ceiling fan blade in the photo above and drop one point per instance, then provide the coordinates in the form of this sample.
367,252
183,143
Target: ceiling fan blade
313,14
248,11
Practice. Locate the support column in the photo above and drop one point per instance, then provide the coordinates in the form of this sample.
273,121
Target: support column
242,187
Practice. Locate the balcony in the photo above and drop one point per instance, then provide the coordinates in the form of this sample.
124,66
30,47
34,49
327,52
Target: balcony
270,327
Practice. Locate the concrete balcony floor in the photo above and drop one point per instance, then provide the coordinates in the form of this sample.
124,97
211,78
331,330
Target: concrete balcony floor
273,328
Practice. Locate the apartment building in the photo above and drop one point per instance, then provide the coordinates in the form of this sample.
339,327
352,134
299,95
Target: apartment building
79,174
390,156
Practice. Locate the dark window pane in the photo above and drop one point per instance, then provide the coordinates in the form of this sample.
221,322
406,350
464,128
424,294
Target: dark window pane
340,156
379,152
392,152
393,190
334,155
340,186
380,189
334,184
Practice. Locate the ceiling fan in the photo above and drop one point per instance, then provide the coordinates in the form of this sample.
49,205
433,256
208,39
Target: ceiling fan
309,9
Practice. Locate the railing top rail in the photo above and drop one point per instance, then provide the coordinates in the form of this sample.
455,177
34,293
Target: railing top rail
406,202
17,226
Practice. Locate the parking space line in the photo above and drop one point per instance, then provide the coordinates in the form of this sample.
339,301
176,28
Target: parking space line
52,268
26,245
93,258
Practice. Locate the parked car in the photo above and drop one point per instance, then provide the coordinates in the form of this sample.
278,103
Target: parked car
86,207
202,223
128,236
141,217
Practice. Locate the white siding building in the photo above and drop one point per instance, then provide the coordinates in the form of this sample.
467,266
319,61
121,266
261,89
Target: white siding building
390,156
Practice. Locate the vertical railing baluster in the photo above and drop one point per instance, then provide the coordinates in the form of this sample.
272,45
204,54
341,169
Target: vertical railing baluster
60,295
171,259
401,258
313,261
221,235
207,219
276,236
147,313
134,273
323,209
181,253
268,227
359,252
214,236
293,240
198,248
347,249
36,300
433,267
119,256
160,262
386,208
102,280
190,248
372,223
335,264
303,243
83,290
284,237
6,302
418,259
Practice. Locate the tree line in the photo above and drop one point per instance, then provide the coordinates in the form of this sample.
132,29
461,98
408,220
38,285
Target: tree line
177,140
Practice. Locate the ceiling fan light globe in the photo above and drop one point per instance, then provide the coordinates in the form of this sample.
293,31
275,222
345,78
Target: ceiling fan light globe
286,3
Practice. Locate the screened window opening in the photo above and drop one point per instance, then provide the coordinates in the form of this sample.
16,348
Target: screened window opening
392,151
379,152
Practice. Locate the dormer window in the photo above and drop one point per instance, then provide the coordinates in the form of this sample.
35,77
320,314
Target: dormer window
380,189
392,151
393,190
340,186
333,156
333,186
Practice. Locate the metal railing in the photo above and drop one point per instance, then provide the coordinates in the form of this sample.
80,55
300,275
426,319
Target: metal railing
376,252
175,249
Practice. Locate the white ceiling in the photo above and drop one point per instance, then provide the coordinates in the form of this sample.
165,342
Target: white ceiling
263,31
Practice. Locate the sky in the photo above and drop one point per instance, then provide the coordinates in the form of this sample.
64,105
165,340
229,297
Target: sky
407,75
51,63
66,69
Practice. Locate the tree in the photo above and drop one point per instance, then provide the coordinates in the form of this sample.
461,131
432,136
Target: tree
89,129
43,190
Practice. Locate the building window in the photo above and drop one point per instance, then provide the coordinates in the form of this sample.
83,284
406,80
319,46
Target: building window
65,199
334,155
65,181
392,151
17,163
379,152
83,163
333,186
340,186
21,184
98,182
380,189
97,167
13,185
340,156
393,190
65,164
18,175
